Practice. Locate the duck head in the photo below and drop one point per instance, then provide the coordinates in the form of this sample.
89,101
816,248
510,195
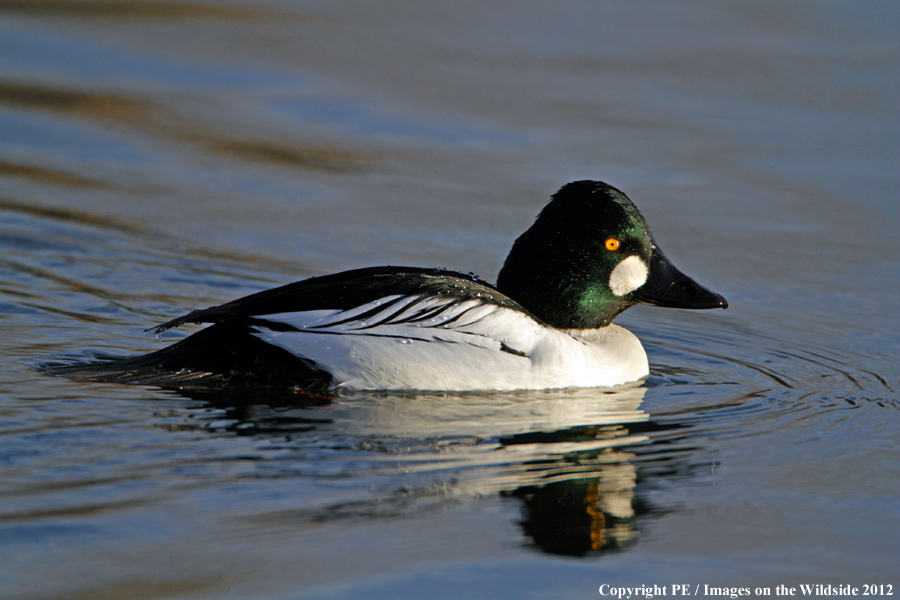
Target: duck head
589,256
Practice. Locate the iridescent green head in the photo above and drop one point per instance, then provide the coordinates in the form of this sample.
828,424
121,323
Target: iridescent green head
588,257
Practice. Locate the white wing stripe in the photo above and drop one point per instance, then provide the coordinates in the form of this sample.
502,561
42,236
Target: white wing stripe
417,318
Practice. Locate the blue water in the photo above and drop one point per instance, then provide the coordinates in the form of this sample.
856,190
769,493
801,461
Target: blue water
161,157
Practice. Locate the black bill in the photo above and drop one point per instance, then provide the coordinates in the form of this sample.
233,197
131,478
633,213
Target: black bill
669,287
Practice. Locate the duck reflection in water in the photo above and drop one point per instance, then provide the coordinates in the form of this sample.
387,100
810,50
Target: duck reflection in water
577,460
576,515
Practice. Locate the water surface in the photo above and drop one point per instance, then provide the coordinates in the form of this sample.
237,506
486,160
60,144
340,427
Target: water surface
157,157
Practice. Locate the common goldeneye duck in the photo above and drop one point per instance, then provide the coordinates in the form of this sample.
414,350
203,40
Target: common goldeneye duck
547,323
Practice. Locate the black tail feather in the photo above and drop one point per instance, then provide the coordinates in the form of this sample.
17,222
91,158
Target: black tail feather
219,355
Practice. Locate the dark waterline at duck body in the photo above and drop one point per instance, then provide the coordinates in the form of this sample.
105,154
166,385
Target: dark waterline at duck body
161,157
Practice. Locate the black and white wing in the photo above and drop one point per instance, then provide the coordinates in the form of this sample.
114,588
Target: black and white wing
395,329
346,291
376,328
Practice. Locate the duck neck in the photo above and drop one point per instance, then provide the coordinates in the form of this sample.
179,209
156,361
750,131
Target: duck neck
566,301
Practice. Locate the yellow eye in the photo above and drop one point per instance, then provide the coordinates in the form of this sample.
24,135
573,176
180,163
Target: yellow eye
612,244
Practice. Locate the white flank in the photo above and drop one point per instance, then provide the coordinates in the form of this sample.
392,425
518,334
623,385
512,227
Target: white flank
629,275
440,343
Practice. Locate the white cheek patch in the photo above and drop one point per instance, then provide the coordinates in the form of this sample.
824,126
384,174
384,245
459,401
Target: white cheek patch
629,275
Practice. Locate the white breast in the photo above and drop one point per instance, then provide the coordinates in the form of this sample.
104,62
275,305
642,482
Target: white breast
438,343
